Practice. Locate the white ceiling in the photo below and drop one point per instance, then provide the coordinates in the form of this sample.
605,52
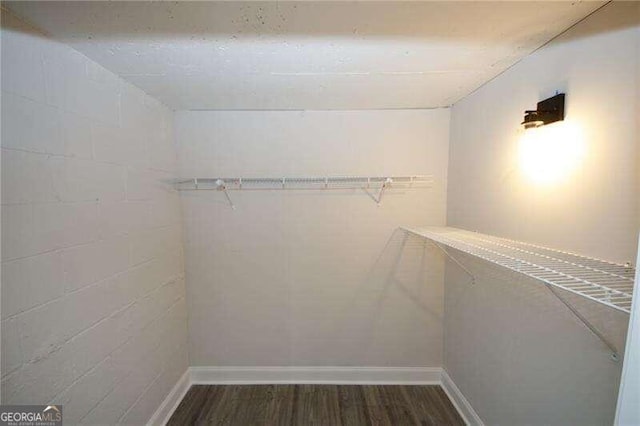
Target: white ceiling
305,55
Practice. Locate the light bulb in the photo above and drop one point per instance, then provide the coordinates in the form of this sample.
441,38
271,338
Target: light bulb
550,153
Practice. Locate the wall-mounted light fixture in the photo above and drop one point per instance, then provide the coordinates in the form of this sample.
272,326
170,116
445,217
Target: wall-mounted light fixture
548,111
548,154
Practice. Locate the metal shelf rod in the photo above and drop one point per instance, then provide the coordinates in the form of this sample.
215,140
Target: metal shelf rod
324,182
374,186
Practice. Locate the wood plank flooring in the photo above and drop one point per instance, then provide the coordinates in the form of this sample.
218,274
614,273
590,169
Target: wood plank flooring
299,405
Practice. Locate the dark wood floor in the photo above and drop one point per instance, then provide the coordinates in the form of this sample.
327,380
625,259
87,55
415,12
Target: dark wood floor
315,405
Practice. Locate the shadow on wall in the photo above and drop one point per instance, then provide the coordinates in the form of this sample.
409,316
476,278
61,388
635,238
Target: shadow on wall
400,296
542,364
510,288
311,278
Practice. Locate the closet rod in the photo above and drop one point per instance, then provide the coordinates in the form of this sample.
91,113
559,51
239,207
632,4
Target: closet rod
301,182
374,186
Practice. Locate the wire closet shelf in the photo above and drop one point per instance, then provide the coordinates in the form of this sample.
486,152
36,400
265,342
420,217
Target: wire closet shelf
603,282
366,183
303,183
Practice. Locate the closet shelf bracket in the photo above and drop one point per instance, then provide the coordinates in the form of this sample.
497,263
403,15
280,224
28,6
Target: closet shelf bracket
378,198
454,260
222,187
614,351
599,281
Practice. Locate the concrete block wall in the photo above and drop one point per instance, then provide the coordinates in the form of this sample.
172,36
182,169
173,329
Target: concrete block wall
93,296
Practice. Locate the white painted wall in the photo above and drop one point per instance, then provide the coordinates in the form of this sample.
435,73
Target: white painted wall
305,278
628,408
596,64
514,351
93,309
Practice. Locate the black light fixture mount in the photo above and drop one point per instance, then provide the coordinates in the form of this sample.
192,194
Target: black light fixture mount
548,111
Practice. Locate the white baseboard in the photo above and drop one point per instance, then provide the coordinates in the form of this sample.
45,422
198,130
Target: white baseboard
314,375
459,401
171,402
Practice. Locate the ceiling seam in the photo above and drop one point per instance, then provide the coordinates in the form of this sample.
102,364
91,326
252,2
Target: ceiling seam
313,109
551,40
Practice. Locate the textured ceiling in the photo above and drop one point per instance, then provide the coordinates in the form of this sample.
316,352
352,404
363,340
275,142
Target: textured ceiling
305,55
